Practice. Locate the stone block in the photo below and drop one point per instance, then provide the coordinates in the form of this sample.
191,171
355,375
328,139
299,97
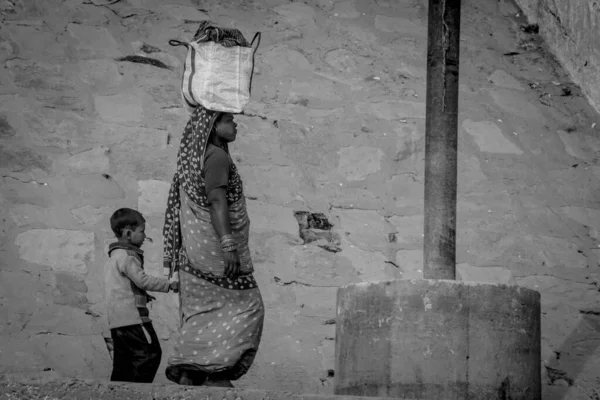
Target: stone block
185,13
494,275
357,163
363,199
94,42
282,60
370,265
410,263
409,229
70,290
17,356
6,129
119,108
153,197
62,250
316,301
101,75
517,104
489,137
316,266
34,43
346,61
61,320
94,161
275,185
575,145
400,26
297,14
74,356
88,215
346,10
406,191
21,294
94,189
393,110
503,79
272,218
411,143
37,76
365,229
29,214
315,94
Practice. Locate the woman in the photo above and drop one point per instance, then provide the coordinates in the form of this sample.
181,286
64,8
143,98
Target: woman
206,242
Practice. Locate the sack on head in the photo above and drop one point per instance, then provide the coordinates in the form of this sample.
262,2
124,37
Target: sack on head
217,77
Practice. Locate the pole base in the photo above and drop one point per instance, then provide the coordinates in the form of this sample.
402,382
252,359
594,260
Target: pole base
438,339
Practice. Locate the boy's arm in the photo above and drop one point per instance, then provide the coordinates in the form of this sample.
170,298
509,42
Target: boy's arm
132,268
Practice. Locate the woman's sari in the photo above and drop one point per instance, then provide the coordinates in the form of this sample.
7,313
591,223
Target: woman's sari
221,319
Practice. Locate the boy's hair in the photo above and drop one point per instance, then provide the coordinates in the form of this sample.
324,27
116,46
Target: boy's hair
125,218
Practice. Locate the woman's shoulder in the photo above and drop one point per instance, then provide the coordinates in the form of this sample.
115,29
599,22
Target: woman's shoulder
215,157
216,152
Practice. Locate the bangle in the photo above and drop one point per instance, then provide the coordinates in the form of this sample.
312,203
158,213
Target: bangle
227,239
228,243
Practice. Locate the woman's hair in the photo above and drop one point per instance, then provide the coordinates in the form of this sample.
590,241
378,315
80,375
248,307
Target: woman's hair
217,120
125,218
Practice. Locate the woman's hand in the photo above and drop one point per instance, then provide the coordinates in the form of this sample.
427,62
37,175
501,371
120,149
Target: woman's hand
232,264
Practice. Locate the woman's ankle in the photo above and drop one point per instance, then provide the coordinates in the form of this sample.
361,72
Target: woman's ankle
185,380
191,379
218,383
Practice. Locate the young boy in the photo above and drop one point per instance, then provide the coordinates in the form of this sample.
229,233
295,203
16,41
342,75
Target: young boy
137,351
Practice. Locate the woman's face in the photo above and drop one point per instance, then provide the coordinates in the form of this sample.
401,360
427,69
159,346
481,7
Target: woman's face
226,129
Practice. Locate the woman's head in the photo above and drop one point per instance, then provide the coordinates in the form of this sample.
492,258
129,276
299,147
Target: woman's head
224,129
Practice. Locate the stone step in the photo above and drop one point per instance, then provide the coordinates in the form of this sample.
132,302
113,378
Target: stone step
54,389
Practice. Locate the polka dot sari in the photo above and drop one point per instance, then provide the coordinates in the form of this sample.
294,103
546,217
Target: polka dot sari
189,179
221,319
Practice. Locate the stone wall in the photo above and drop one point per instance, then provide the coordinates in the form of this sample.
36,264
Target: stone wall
571,30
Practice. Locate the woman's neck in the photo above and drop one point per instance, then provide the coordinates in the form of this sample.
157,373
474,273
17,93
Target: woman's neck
215,141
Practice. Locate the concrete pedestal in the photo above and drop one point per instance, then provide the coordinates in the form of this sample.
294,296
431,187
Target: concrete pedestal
437,339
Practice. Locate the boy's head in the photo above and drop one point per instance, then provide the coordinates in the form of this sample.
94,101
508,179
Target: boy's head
129,226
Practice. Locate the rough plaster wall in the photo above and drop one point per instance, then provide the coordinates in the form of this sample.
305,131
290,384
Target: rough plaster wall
572,30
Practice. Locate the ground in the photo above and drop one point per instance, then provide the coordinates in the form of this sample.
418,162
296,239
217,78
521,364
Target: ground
336,126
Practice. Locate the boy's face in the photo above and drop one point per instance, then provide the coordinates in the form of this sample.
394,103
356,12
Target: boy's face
137,236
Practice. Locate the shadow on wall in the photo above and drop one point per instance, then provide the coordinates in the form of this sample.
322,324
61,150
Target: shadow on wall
565,368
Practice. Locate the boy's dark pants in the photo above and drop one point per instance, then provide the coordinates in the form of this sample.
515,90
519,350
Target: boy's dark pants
134,359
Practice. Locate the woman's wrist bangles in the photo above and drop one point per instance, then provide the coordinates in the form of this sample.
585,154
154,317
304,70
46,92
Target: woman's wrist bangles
228,243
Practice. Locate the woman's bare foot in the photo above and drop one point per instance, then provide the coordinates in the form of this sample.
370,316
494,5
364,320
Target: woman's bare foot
188,378
185,379
218,383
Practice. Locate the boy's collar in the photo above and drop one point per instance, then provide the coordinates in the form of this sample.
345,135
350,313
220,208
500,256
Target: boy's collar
124,246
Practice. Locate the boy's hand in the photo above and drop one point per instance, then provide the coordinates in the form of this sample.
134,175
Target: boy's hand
174,286
149,298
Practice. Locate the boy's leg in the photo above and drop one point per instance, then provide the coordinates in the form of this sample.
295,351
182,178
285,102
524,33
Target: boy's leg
148,363
139,353
122,355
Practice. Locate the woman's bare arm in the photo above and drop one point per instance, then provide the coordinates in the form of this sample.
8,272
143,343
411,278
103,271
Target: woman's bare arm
219,211
219,216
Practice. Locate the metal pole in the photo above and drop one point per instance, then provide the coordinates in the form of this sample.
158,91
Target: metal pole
443,40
